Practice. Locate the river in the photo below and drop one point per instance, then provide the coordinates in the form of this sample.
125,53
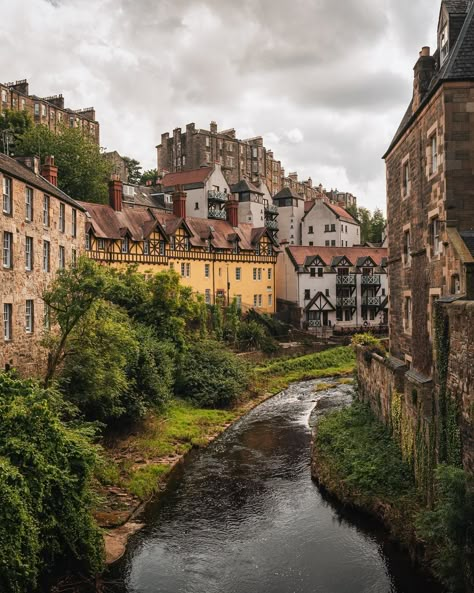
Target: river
244,516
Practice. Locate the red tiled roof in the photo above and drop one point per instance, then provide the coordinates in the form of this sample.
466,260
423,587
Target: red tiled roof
300,253
187,177
341,212
109,224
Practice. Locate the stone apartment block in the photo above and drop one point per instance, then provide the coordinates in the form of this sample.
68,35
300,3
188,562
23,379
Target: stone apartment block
333,287
42,230
48,111
430,190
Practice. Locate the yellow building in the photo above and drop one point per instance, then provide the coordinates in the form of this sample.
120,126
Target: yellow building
220,259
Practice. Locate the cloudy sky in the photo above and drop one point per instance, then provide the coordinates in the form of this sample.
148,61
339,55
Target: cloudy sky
325,82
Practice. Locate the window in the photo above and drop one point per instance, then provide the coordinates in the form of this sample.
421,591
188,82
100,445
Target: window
270,300
333,228
208,141
307,294
238,301
326,228
46,256
238,273
88,242
7,321
327,243
7,195
434,153
255,273
320,272
45,210
28,254
185,270
146,247
43,110
28,204
74,222
46,316
435,236
408,314
73,258
311,243
29,316
259,273
444,44
259,300
100,244
196,205
7,250
207,270
173,243
312,272
455,284
37,109
333,243
255,300
62,257
407,248
125,245
310,230
4,96
207,296
269,274
327,291
162,247
62,217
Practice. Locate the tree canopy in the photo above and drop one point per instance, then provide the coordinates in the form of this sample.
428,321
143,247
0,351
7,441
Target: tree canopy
13,124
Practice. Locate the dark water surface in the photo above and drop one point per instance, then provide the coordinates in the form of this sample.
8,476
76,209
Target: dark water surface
243,516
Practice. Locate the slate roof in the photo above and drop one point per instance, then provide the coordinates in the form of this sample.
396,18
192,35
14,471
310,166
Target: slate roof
299,254
468,238
287,192
458,66
245,186
15,169
186,178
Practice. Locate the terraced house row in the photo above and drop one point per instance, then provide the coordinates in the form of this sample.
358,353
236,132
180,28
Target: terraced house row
43,230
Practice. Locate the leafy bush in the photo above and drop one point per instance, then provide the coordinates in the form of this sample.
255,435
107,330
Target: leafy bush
367,340
329,359
45,497
211,376
449,528
251,335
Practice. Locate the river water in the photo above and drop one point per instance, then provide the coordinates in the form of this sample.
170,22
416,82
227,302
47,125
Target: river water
244,516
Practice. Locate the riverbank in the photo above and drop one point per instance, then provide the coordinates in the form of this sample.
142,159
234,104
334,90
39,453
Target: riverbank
136,467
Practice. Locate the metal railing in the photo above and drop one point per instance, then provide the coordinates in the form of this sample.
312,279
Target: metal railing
346,280
216,213
314,323
272,225
371,301
217,196
371,280
271,208
346,302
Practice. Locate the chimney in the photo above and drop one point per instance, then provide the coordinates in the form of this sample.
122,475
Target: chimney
179,202
32,162
49,170
424,71
232,210
115,193
213,127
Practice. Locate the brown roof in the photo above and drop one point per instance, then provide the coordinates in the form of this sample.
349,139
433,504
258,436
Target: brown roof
299,254
341,212
109,224
15,169
184,178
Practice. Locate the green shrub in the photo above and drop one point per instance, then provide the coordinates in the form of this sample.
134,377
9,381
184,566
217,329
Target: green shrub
369,341
449,528
211,376
252,335
45,497
329,359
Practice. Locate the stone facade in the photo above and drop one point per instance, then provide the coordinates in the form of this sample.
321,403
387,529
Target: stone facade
23,279
48,111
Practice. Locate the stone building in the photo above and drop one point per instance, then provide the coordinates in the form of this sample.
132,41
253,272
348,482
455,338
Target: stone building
342,197
239,159
219,258
430,189
47,111
42,230
333,287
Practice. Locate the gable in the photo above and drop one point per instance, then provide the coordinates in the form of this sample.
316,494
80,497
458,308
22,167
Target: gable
319,302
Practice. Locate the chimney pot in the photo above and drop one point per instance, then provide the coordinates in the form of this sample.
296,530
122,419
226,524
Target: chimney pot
232,211
49,170
115,192
425,51
179,202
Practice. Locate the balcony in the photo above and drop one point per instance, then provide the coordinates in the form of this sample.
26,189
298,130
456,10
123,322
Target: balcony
346,302
217,196
372,301
346,280
272,225
271,208
217,214
371,280
314,323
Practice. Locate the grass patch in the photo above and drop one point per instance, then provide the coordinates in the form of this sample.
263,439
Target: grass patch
336,358
145,481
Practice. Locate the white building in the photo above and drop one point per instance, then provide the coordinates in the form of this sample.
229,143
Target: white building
328,225
333,287
291,209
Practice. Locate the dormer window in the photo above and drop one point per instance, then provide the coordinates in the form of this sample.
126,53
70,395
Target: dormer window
444,44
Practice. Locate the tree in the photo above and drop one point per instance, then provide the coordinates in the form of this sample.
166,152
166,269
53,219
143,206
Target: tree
150,175
371,225
84,171
377,226
134,170
68,299
13,124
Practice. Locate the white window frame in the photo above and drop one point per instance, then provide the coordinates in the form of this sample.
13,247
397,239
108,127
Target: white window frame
46,256
74,223
146,247
125,244
7,196
46,214
207,270
62,217
28,253
434,161
7,250
29,204
73,258
62,257
7,322
29,316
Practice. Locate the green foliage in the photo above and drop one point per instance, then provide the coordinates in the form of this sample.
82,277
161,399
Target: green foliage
371,225
449,528
321,361
134,170
366,340
69,298
252,335
13,124
83,169
211,376
45,473
128,289
149,175
363,455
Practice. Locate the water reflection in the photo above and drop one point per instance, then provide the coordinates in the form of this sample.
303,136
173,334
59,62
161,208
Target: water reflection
243,516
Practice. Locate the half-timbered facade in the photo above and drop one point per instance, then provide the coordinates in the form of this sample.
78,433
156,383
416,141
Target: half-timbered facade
220,259
334,287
